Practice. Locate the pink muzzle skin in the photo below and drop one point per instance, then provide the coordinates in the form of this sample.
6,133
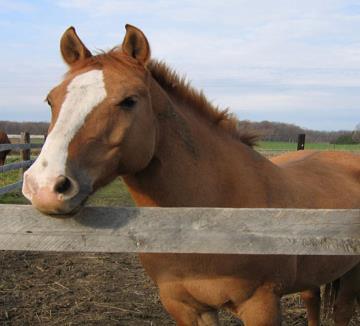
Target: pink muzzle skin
54,198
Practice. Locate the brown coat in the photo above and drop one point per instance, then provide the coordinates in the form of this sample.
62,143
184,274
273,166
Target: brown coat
3,140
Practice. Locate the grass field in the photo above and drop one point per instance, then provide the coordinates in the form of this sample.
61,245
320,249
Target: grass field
33,140
287,146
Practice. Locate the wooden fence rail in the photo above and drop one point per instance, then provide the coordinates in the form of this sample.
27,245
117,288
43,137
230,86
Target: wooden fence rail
16,166
5,147
184,230
25,151
10,187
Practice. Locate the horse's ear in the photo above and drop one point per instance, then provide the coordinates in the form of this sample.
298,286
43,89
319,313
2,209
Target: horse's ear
72,48
135,44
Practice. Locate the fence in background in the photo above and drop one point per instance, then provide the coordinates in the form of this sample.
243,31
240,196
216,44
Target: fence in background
24,147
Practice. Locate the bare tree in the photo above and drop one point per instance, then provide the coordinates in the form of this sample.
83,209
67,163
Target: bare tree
15,127
277,131
356,133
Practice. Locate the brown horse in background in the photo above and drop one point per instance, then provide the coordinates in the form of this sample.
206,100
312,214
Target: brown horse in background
4,139
120,113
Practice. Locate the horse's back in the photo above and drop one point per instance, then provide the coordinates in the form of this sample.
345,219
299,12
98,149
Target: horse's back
334,156
330,179
346,161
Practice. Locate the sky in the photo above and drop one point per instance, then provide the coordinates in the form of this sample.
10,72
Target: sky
290,61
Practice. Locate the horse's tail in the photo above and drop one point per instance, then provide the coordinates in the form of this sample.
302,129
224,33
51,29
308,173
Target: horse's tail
329,297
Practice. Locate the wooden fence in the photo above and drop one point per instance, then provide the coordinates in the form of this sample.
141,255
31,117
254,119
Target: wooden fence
25,153
184,230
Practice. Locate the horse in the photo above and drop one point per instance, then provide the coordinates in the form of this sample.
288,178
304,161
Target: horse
4,139
122,113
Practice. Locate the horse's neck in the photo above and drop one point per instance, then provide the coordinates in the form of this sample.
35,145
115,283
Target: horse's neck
195,164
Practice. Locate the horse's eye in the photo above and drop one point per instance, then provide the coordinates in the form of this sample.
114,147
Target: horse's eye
127,103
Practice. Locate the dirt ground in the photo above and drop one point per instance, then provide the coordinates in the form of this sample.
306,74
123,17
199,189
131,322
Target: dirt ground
92,289
42,288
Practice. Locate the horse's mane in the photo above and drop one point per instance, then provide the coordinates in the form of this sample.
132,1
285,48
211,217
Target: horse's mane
179,88
182,90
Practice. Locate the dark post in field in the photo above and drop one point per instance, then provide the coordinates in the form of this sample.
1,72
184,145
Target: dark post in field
25,153
301,142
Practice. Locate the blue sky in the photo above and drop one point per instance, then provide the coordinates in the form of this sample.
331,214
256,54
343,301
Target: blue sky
289,61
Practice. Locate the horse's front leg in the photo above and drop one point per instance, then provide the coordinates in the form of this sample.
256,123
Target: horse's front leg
312,302
349,292
185,309
261,309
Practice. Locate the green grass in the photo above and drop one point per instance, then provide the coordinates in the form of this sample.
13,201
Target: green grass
114,194
14,197
286,146
32,140
36,140
10,176
7,178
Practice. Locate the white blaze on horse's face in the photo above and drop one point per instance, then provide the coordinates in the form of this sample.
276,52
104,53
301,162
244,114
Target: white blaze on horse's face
47,177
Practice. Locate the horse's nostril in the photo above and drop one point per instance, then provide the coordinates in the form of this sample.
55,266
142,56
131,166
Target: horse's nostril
62,185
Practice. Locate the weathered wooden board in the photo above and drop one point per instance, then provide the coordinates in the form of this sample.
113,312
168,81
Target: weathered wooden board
184,230
16,165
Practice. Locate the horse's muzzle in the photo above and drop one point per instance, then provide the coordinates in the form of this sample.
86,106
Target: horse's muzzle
57,196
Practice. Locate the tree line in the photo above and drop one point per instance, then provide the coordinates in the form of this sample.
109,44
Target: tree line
268,130
15,128
278,131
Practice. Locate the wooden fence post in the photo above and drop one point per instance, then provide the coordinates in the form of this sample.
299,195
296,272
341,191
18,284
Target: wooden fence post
24,153
301,142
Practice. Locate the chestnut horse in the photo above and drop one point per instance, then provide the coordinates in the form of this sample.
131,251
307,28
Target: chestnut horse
121,114
4,139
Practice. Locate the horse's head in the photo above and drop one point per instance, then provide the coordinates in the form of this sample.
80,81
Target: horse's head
102,123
